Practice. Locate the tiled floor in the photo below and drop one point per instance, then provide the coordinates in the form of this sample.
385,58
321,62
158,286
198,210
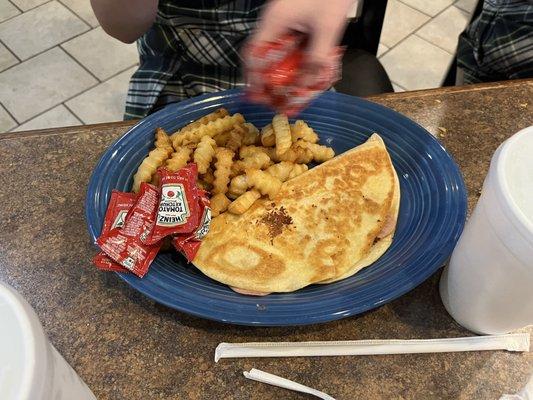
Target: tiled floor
59,68
419,40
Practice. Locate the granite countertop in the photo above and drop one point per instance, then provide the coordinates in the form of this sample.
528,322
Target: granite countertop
125,346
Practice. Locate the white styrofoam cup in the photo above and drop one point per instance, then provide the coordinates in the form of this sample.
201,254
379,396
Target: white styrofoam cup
30,367
488,285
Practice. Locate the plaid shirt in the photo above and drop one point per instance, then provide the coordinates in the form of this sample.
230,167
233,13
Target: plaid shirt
192,48
498,45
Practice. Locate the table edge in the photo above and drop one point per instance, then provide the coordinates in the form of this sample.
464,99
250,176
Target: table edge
385,96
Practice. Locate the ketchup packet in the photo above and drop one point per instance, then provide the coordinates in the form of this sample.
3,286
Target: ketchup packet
117,209
124,245
205,212
275,72
188,249
104,263
190,244
119,205
178,211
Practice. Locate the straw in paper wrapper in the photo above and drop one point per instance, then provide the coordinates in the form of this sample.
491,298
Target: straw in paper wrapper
509,342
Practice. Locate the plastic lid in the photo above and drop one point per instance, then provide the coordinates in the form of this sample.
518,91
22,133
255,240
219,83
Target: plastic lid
16,347
515,172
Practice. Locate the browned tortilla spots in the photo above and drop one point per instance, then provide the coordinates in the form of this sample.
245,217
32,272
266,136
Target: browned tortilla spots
276,220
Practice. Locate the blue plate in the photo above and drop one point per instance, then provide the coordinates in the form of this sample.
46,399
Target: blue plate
432,214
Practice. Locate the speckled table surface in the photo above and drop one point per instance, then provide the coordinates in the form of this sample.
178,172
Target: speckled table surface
127,347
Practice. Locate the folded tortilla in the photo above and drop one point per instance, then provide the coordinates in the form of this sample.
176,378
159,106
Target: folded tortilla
382,241
323,225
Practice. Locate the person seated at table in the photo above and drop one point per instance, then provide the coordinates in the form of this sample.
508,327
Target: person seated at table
186,49
498,44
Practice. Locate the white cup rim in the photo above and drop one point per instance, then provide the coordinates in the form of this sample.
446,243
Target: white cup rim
501,160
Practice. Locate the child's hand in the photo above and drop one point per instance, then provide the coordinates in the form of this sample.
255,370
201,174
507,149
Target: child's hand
323,22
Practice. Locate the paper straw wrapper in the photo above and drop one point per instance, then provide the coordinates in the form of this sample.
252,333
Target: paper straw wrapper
509,342
274,380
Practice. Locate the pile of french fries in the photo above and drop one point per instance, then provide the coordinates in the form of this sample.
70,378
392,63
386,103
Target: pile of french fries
236,162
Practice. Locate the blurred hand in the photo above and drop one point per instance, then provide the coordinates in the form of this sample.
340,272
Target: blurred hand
323,22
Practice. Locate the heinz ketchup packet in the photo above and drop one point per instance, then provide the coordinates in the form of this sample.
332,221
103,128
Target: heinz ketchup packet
124,246
119,205
104,263
189,244
178,210
117,209
188,249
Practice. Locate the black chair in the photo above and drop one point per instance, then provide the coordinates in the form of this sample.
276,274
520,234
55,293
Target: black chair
362,73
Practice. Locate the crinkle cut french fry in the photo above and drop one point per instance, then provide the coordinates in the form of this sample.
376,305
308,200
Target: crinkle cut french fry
162,140
303,156
268,138
296,154
320,153
251,151
148,167
257,160
211,129
282,132
264,182
298,169
219,203
242,203
178,159
220,113
300,130
222,169
290,155
248,151
281,170
235,138
204,153
216,127
237,186
251,134
222,138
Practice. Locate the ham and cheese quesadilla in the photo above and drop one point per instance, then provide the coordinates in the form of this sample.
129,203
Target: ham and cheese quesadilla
322,226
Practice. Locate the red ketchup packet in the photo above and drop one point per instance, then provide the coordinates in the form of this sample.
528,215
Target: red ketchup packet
275,69
188,249
189,244
178,211
124,245
117,209
104,263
